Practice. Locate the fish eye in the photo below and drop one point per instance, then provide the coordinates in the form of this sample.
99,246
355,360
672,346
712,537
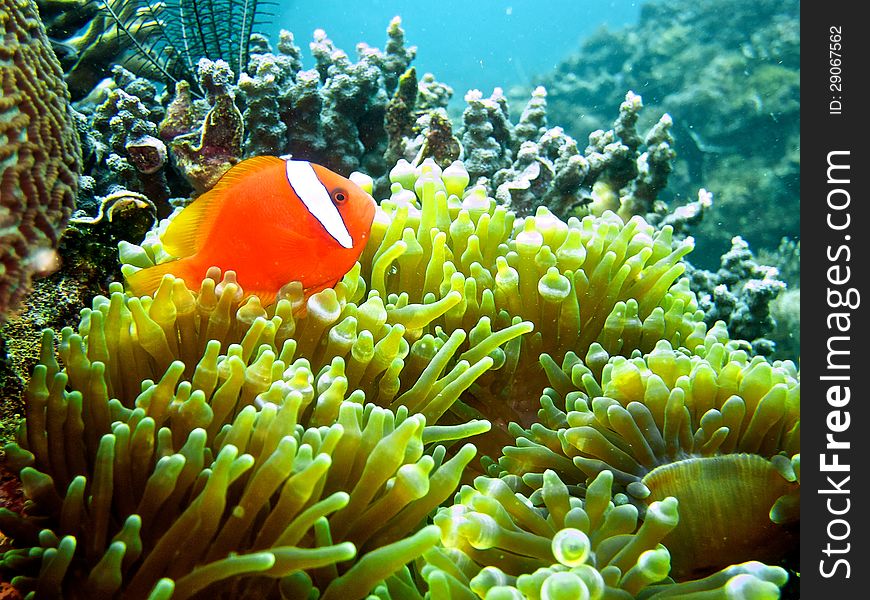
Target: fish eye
339,196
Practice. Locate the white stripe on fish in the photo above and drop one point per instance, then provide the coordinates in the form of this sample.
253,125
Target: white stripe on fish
316,198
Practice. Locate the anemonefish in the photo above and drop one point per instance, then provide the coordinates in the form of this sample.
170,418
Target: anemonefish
272,221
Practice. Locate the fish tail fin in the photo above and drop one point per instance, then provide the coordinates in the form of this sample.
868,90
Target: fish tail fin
145,282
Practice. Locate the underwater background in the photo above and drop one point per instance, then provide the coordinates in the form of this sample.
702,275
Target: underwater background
468,45
565,365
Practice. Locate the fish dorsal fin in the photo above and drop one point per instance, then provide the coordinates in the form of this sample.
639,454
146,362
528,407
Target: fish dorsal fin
189,229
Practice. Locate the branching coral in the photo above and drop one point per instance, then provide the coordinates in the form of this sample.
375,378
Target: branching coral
417,124
40,156
740,293
367,114
717,429
733,90
332,114
118,125
529,165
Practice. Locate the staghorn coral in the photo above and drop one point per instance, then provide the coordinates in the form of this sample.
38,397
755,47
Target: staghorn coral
715,428
502,544
192,415
40,155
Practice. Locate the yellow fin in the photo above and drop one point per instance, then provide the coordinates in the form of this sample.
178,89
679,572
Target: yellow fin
145,282
189,229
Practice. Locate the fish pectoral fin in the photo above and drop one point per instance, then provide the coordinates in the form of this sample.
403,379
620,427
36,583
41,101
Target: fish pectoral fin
145,282
288,244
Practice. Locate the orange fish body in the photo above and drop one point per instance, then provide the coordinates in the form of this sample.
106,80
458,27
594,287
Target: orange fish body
272,221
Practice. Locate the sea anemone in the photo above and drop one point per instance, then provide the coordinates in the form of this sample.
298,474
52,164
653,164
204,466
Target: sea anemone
161,426
325,429
446,261
716,429
502,544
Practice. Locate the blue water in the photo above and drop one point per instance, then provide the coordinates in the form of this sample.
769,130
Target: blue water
465,43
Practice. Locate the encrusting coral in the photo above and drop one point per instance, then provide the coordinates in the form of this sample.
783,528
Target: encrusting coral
40,156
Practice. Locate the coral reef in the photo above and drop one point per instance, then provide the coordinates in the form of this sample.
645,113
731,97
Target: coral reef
518,292
732,89
137,141
333,114
118,124
786,308
417,124
88,258
529,165
317,431
40,157
151,38
204,155
366,115
741,293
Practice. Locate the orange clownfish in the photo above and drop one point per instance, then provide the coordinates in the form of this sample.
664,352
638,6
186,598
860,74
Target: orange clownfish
272,221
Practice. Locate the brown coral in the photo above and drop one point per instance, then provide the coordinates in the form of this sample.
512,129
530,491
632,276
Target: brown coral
39,148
